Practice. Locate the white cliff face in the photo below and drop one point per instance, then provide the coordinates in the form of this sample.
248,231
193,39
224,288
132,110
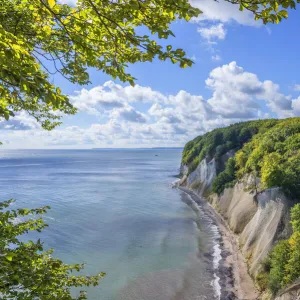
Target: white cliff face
236,205
269,224
184,169
259,223
202,178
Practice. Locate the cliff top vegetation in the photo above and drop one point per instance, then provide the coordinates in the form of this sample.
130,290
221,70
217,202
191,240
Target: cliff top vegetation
267,149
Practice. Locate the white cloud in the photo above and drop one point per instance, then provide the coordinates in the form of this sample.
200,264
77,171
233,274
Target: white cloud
111,96
142,117
224,12
276,101
296,106
129,114
212,10
214,32
240,94
21,121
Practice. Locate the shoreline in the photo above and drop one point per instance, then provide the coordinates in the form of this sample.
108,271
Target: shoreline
235,281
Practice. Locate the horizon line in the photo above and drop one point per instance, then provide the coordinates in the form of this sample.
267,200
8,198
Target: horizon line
97,148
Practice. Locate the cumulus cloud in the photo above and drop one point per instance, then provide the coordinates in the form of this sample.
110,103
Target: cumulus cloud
21,121
232,91
224,12
130,114
111,96
140,116
240,94
214,32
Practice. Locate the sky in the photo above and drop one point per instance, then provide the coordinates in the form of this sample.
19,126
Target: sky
243,70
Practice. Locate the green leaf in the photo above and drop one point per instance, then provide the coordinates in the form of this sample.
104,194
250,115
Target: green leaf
9,257
284,14
183,65
51,3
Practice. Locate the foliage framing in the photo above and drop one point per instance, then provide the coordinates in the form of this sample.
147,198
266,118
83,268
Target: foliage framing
40,38
28,272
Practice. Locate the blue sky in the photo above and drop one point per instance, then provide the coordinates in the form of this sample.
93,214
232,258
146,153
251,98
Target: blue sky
243,70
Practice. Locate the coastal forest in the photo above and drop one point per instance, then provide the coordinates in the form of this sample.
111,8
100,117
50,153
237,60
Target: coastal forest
267,151
42,39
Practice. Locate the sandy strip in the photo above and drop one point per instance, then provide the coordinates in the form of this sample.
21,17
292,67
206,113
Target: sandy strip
237,283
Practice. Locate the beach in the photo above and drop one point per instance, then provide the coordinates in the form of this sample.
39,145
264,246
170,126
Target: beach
235,281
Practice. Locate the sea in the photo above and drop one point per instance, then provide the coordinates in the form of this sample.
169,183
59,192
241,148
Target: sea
117,211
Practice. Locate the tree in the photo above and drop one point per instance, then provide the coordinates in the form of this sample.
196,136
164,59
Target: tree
295,217
27,272
271,171
226,177
39,38
280,256
267,11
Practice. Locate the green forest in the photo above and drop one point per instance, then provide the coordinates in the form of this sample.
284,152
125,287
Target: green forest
269,150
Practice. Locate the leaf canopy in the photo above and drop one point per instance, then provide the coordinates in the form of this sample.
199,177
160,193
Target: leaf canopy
27,271
41,38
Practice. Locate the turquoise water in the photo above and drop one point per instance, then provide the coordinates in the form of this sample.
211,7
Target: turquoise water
115,210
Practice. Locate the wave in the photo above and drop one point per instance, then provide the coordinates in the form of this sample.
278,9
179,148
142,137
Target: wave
20,165
216,249
216,262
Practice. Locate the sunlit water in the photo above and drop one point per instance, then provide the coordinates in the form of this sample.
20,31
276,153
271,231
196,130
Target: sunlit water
115,210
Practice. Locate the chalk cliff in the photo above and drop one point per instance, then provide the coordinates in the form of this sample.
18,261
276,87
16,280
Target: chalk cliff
259,222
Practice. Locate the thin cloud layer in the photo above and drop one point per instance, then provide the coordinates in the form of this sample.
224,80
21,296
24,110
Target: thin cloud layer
212,33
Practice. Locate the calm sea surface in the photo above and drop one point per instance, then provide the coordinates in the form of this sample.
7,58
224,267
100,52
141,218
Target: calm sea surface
115,210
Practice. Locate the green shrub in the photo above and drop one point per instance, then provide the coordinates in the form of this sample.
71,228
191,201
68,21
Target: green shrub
280,256
283,263
295,217
262,280
292,267
194,164
225,178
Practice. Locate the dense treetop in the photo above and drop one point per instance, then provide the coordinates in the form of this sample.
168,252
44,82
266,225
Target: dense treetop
218,141
268,149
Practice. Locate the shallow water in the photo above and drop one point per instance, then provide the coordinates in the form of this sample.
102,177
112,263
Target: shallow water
115,210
